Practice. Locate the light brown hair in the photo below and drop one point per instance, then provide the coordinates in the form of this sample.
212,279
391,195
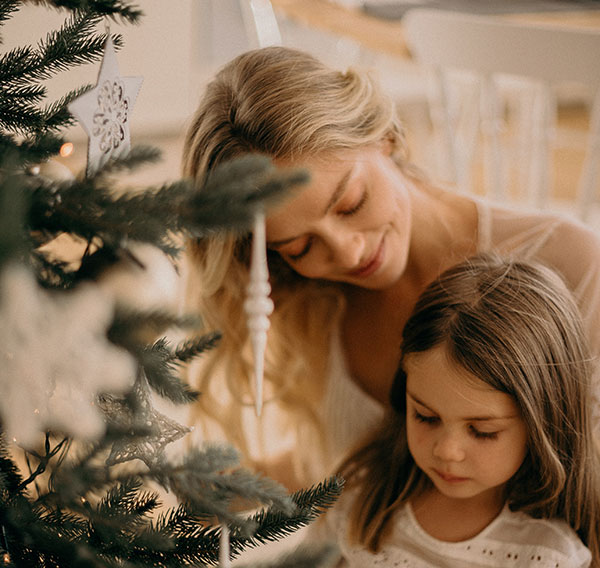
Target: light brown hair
515,326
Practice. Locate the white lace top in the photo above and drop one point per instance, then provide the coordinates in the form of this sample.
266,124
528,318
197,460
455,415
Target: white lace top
571,248
511,540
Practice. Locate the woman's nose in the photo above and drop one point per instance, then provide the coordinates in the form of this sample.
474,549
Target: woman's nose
448,447
347,249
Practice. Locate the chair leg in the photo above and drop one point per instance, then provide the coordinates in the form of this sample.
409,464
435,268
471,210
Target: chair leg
589,176
544,112
491,127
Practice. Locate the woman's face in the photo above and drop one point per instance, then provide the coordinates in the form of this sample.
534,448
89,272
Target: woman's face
351,223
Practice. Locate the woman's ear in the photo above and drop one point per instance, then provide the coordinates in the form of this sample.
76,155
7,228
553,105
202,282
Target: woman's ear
387,146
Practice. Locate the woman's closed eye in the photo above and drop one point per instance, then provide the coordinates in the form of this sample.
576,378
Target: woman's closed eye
295,256
356,207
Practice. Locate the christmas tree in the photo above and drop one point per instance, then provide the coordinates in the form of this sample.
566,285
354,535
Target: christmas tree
82,460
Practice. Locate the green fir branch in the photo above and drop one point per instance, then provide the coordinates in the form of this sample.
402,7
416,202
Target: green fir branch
232,193
126,11
34,149
130,328
13,209
28,93
191,348
162,373
57,115
10,477
272,524
71,45
15,64
139,155
7,8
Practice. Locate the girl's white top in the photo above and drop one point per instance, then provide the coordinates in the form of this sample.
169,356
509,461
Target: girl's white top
511,540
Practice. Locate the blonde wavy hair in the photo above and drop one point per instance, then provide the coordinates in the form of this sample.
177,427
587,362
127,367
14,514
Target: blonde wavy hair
285,104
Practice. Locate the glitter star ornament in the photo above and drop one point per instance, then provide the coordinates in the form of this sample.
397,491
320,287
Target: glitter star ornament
104,111
55,359
158,429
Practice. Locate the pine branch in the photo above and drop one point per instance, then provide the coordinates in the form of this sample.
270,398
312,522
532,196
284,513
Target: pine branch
206,482
35,148
73,44
130,328
10,477
7,7
20,116
126,11
15,63
140,155
43,460
27,93
194,347
57,115
232,193
52,273
162,374
13,208
273,524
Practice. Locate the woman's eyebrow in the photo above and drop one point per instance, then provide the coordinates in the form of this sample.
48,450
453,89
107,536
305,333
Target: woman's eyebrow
335,197
339,190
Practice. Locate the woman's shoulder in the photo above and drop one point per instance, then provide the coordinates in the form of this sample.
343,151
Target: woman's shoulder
499,224
558,240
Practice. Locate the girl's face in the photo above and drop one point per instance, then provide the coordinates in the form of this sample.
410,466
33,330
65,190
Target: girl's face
350,224
467,437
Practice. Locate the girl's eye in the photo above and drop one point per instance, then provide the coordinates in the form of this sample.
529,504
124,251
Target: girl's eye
356,207
483,435
425,419
303,252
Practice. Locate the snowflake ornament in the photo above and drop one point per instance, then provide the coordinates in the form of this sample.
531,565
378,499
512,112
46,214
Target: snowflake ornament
104,111
55,359
159,429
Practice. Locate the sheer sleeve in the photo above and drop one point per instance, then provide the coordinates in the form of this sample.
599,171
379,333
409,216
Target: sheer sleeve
568,246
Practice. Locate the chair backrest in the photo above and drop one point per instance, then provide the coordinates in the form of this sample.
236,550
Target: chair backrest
492,46
260,23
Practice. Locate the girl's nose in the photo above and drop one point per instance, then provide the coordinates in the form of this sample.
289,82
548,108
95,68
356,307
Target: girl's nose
448,447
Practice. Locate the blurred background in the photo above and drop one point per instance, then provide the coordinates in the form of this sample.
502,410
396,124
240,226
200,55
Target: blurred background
179,45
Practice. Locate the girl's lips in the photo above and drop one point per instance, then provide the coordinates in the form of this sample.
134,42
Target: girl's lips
450,478
372,265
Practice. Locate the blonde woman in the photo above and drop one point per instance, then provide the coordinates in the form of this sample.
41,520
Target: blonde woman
350,252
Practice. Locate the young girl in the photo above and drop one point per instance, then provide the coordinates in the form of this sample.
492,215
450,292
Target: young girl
350,252
486,457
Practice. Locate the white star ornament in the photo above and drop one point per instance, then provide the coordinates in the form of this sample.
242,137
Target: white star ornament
105,110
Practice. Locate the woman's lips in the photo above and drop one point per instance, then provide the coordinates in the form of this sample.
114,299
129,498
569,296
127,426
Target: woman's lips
372,265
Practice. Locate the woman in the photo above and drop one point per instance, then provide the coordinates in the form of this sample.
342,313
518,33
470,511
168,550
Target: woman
349,253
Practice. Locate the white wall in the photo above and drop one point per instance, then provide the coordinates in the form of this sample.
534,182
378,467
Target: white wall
177,44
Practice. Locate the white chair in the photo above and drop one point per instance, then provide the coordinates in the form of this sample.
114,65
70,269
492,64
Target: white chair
507,58
260,22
